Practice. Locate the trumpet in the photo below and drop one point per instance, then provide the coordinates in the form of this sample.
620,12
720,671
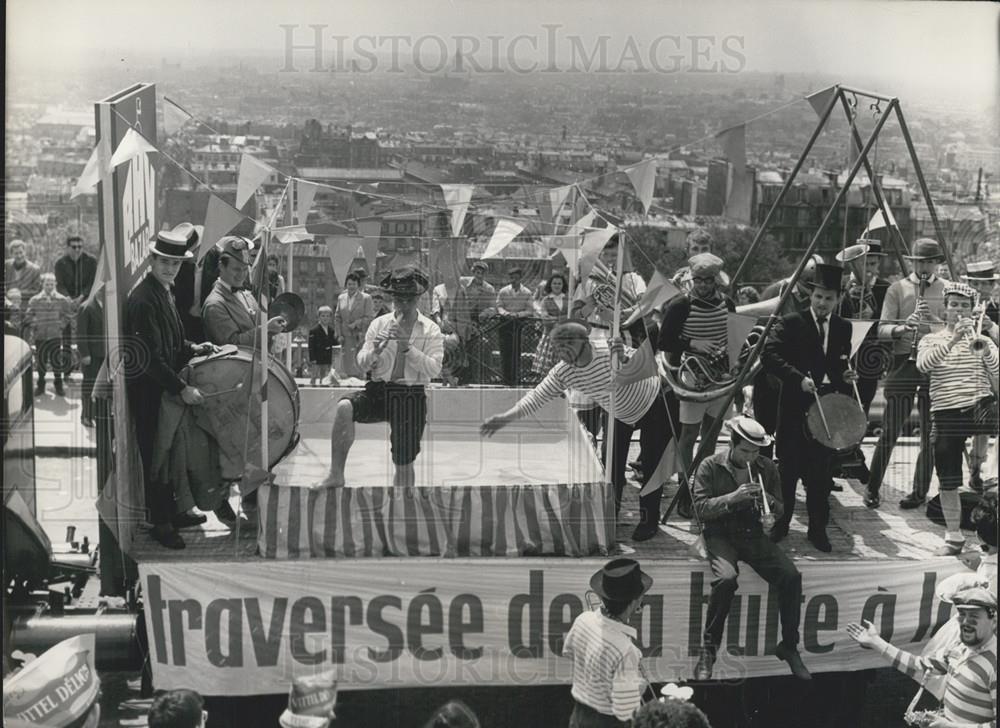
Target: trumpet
977,344
922,284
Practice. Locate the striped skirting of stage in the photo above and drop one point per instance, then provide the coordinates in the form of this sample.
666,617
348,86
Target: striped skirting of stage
575,519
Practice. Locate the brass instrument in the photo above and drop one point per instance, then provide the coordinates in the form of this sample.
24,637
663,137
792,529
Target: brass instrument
922,283
700,378
977,344
604,288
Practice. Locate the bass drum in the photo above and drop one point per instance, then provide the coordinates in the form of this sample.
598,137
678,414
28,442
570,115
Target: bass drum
230,383
845,417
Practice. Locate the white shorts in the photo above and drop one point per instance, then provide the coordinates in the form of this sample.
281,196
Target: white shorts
692,413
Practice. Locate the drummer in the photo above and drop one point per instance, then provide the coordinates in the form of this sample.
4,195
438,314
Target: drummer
808,352
230,311
403,350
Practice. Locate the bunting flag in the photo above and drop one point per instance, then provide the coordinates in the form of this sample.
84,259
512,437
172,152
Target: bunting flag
253,477
557,198
97,164
734,145
342,249
738,327
305,193
821,99
370,232
369,247
568,246
859,330
593,243
253,172
132,145
100,277
658,292
293,234
503,234
739,201
878,221
174,116
447,261
456,198
669,465
220,218
643,179
583,223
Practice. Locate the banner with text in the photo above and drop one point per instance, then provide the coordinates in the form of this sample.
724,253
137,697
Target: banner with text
249,627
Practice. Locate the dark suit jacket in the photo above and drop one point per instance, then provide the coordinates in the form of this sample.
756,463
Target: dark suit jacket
90,339
794,351
226,319
75,279
155,336
321,344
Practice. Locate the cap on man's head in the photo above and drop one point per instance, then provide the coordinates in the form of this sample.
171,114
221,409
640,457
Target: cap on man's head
407,281
480,264
56,689
974,596
705,264
234,246
954,288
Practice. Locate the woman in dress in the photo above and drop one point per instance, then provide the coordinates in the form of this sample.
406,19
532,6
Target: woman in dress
552,308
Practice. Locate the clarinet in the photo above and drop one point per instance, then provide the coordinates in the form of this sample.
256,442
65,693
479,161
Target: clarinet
921,290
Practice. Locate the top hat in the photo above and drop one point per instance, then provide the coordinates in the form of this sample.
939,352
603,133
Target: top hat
981,270
55,690
750,430
172,244
233,246
407,281
621,580
827,276
925,249
311,702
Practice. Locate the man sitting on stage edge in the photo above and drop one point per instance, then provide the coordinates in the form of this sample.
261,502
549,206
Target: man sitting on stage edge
403,350
728,493
585,366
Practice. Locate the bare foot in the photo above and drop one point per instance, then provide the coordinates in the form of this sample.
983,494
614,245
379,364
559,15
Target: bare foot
332,480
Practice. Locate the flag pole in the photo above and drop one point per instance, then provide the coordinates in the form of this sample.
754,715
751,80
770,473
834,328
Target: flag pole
291,202
264,458
609,467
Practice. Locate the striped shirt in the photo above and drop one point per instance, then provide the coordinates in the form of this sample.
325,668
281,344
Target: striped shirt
605,665
959,376
970,692
687,319
632,398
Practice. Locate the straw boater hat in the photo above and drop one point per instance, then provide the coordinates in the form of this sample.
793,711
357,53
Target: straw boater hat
171,244
621,580
750,430
55,690
311,702
925,249
981,270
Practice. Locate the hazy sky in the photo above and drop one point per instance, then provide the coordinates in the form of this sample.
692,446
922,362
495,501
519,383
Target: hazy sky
951,46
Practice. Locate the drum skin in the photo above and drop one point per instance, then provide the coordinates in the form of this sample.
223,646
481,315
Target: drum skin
845,417
232,404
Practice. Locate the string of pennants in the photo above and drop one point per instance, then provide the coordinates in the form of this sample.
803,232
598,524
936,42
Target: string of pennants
580,243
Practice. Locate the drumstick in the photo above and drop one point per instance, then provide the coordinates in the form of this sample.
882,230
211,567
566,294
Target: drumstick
857,395
822,415
237,388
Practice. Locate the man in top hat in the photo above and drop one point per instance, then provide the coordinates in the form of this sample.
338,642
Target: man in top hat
230,312
403,350
911,305
607,685
355,311
585,366
968,666
154,332
696,323
982,276
960,365
59,689
809,353
729,491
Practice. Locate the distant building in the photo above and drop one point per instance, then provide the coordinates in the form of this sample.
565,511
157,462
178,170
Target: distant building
217,159
330,147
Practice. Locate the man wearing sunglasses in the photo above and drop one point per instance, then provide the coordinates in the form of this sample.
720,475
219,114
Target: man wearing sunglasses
75,272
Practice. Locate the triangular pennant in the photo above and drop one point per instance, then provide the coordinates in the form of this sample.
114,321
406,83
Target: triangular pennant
295,234
641,365
254,476
503,234
643,179
557,198
593,243
97,164
583,223
738,327
859,330
658,292
878,220
734,145
669,465
305,193
101,276
174,117
132,145
369,246
342,249
821,99
456,198
253,172
220,218
740,198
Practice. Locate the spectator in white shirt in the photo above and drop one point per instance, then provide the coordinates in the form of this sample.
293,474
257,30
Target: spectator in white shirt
403,350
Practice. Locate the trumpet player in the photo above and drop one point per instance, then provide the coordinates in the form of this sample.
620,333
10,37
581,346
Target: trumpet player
960,363
982,276
696,324
911,305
